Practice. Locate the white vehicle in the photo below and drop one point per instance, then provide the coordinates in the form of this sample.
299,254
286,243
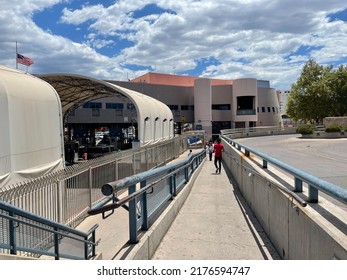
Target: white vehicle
99,135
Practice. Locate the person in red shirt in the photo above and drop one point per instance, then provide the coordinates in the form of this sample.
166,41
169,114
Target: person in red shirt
218,150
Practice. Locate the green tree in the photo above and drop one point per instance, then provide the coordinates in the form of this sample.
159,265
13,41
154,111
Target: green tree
338,84
310,98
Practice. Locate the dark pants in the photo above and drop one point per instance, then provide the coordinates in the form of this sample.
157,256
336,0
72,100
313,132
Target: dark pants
210,155
218,162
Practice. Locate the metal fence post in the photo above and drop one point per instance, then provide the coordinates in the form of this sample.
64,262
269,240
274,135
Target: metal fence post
132,217
59,202
147,161
116,169
90,186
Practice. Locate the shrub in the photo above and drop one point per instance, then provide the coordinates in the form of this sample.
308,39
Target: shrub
333,128
306,129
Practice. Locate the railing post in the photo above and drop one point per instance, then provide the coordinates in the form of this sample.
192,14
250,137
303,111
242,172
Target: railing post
264,164
312,194
144,208
56,243
12,234
132,217
173,186
93,245
86,244
86,247
297,185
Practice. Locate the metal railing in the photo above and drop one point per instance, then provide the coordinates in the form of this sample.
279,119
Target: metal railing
148,192
257,131
65,196
24,233
314,184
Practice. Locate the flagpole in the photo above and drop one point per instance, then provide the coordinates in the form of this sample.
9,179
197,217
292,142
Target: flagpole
16,56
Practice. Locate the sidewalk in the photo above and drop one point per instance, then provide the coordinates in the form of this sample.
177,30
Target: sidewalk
214,224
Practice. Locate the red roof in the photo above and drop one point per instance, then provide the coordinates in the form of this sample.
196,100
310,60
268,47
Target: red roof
174,80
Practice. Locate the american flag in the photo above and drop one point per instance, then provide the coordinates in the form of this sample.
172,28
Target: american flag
24,60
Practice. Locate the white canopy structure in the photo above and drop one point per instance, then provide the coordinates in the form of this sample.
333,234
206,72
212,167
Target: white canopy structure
154,118
31,130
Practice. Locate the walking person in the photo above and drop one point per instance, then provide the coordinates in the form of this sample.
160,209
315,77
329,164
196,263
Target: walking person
218,150
210,151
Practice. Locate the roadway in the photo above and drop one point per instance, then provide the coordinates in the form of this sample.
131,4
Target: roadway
323,158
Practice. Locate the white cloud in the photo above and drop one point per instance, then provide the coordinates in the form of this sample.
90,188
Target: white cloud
254,38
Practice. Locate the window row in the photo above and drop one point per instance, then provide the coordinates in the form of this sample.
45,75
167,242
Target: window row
130,106
115,106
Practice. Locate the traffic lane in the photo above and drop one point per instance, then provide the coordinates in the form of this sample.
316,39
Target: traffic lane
323,158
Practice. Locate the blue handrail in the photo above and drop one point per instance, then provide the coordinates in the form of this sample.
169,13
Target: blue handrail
158,185
21,222
314,183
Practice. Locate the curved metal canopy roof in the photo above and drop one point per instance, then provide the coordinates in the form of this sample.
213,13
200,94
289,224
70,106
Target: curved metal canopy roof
154,117
76,89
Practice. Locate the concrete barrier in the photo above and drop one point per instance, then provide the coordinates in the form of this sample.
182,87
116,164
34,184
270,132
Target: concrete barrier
317,231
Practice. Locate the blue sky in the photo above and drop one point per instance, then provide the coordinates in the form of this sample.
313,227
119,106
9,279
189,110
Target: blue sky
225,39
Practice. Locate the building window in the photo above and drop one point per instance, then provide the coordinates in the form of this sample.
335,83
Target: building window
187,107
263,109
218,126
268,109
117,106
222,107
173,107
92,105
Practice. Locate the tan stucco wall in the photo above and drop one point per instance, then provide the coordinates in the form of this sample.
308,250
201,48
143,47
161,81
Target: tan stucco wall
335,120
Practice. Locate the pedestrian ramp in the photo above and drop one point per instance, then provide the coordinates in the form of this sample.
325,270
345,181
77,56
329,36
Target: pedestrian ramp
208,219
215,223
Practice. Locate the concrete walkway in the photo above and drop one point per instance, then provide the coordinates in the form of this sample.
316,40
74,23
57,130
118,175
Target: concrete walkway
214,223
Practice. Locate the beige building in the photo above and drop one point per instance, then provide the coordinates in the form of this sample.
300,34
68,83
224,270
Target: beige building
196,103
